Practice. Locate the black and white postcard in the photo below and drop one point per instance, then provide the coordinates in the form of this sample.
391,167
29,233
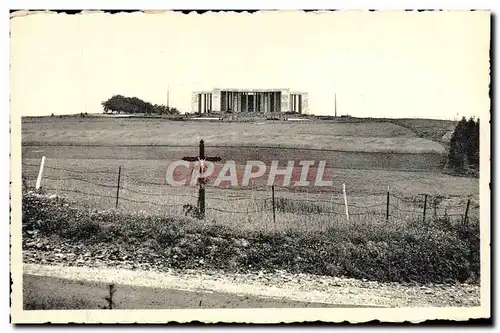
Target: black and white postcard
259,167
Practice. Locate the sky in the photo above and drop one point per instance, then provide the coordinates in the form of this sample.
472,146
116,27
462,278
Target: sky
379,64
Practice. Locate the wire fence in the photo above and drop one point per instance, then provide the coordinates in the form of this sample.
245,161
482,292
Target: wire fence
113,189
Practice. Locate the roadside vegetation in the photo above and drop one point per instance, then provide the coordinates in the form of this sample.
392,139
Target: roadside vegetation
438,251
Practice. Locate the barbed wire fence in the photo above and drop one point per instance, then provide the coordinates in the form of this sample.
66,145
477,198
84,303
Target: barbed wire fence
108,189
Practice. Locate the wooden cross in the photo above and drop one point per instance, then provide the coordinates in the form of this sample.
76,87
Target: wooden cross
201,180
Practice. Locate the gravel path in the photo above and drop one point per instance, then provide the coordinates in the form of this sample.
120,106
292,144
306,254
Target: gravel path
278,284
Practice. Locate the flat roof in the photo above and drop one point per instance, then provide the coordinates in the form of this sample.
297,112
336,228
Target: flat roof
250,90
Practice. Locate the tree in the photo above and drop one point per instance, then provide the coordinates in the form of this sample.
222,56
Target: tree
131,105
464,145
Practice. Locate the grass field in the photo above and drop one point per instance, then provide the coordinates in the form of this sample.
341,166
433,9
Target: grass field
83,155
309,229
355,137
433,129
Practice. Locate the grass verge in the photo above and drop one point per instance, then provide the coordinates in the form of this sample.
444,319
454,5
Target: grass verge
436,252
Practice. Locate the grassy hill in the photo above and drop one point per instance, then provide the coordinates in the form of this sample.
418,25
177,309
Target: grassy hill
432,129
374,136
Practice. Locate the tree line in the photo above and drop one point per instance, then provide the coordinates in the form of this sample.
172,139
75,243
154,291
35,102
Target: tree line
464,146
134,105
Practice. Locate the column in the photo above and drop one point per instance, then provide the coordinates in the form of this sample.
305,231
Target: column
266,102
300,103
194,101
305,106
264,110
246,102
285,100
199,103
262,96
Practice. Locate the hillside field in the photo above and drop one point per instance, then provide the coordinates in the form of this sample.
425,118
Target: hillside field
83,156
355,137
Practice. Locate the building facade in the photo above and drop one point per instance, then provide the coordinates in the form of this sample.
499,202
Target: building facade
249,101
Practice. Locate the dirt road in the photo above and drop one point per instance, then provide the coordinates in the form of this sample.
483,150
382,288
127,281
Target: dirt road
217,290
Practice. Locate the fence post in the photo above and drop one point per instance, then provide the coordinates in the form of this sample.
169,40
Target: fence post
345,202
118,185
425,206
387,209
201,202
274,205
466,211
435,204
40,172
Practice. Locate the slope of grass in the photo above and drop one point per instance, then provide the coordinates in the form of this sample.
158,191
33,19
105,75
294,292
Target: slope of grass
431,129
438,251
143,188
365,137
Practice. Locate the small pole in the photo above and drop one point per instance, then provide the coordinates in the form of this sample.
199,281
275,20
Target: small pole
333,199
345,202
425,206
202,150
387,209
168,98
466,211
201,191
274,206
118,185
201,202
39,178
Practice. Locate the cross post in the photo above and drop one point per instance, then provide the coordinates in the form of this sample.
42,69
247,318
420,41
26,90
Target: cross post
201,180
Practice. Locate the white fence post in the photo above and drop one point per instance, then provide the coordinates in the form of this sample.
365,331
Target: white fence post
39,178
345,201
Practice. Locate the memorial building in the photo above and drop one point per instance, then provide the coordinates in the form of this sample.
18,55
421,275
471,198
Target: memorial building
249,101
